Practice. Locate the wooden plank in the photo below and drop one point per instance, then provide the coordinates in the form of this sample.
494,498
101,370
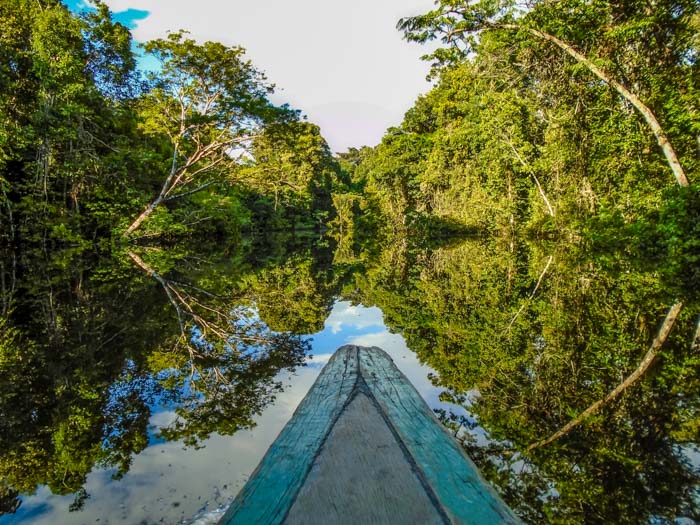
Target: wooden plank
272,488
362,476
454,479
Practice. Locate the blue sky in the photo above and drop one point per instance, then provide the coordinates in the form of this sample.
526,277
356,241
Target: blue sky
343,64
128,18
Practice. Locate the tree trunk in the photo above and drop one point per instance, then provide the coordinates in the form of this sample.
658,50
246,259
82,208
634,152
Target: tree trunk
648,360
695,343
532,294
532,174
144,215
633,99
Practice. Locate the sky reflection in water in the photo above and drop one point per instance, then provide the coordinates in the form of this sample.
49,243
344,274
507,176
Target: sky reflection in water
170,483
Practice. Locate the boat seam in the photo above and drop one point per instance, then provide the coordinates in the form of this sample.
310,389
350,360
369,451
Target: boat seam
351,396
429,491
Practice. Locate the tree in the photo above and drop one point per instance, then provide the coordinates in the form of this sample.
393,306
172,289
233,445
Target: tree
585,325
209,103
601,28
64,81
392,172
88,351
293,165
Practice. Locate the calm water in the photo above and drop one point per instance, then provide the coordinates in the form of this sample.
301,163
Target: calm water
129,397
171,483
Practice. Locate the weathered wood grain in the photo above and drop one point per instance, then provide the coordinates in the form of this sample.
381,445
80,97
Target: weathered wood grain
363,447
454,479
271,490
362,476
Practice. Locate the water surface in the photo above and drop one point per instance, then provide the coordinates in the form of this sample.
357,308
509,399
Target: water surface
144,387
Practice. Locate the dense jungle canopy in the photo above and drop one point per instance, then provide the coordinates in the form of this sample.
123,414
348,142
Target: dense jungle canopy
546,118
90,147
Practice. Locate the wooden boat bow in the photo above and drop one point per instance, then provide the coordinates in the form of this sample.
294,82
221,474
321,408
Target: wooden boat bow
363,447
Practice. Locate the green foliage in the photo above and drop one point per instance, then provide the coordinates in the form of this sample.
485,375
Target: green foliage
63,126
292,169
526,337
207,104
518,136
295,297
85,142
90,348
516,139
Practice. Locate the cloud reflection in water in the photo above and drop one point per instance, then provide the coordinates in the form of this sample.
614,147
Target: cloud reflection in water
175,484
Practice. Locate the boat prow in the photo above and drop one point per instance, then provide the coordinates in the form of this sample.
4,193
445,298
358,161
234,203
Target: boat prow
363,447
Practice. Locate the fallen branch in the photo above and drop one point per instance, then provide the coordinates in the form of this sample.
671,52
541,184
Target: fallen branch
646,112
191,311
532,174
152,273
695,343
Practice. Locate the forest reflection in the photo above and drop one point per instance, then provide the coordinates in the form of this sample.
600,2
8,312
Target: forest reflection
526,335
529,350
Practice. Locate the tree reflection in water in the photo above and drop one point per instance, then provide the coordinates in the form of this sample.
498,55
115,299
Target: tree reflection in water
526,336
526,364
89,352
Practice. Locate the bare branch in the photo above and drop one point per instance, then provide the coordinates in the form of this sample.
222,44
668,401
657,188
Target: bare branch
644,365
195,190
532,174
151,272
532,294
647,114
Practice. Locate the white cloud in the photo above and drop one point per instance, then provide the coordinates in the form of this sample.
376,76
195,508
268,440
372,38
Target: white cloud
342,63
318,360
345,314
163,418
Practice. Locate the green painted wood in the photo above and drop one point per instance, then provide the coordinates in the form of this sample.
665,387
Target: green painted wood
270,492
454,479
362,475
450,479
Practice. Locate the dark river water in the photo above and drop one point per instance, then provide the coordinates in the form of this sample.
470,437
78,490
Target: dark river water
143,386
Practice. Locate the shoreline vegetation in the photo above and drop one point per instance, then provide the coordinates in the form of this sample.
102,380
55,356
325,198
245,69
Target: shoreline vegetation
525,132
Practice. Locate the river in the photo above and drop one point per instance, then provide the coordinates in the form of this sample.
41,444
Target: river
144,385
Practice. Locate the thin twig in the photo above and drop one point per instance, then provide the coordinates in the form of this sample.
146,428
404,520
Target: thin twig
532,294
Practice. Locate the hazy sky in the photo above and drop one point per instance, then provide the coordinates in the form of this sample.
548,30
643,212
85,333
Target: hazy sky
342,63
